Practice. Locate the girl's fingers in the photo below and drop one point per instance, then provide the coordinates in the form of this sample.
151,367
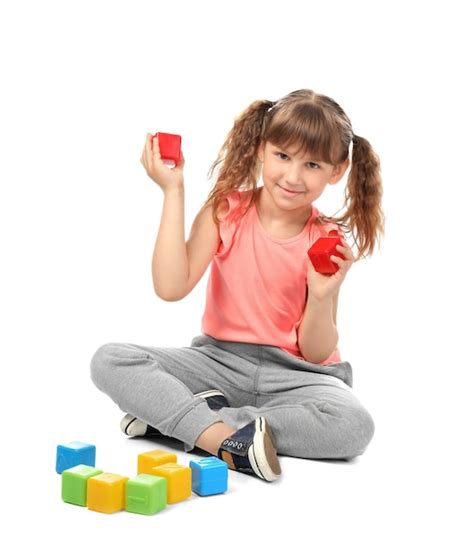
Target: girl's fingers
148,146
156,147
346,251
343,264
338,260
342,249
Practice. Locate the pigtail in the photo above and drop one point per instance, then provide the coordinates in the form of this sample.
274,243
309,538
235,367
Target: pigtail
364,217
239,166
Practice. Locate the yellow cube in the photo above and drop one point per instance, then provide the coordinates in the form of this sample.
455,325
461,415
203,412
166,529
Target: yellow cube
106,492
178,481
147,461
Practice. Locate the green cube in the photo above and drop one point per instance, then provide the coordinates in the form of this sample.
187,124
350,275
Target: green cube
145,494
74,483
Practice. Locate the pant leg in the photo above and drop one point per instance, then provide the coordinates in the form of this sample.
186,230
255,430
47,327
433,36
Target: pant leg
311,411
157,385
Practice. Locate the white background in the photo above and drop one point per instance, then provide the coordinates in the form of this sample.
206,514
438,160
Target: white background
82,84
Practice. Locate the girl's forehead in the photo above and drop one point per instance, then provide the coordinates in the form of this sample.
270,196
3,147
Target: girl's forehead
290,149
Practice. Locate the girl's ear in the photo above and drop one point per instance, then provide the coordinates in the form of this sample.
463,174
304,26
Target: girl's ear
261,150
339,171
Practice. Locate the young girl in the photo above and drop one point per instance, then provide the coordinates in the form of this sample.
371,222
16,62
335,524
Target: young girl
267,355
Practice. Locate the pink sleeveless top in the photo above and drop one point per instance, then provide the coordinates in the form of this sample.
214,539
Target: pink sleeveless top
256,291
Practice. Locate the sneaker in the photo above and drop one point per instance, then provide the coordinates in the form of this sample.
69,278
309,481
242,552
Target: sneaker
134,427
252,450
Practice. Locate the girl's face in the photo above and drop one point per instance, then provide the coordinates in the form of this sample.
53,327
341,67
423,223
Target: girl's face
294,181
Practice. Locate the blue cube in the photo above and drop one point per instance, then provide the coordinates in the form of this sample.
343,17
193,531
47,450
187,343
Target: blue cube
209,476
74,453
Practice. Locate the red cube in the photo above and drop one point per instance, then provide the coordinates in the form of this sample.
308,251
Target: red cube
170,146
320,252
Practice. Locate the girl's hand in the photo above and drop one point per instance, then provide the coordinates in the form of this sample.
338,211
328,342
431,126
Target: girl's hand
322,286
167,178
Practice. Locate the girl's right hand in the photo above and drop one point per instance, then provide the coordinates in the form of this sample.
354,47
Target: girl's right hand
167,178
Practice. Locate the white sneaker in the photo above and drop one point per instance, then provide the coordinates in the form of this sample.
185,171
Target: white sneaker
134,427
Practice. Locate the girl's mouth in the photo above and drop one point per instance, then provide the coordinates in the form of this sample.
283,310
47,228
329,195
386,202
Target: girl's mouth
289,193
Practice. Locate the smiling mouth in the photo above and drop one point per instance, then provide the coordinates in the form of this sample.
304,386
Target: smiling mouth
292,192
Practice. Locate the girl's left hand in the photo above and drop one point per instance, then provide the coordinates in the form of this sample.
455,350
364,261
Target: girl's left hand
323,286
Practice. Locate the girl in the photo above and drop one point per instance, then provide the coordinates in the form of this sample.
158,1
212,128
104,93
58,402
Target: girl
267,355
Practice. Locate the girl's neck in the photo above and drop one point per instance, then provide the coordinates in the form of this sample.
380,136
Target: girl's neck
272,217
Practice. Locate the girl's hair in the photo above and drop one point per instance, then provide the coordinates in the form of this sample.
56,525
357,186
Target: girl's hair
317,125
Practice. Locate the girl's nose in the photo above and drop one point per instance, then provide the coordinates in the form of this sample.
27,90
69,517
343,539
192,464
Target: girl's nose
292,175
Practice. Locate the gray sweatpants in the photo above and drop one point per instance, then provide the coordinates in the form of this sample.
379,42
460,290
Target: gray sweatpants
311,408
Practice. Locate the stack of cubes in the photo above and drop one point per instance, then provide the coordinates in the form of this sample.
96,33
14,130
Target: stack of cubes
160,480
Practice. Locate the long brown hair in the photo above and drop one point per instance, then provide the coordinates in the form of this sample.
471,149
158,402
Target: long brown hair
315,124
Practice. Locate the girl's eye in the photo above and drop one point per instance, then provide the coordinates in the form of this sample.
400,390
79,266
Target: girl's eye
312,164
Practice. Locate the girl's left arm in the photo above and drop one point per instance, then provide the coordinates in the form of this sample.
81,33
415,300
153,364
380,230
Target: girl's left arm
317,333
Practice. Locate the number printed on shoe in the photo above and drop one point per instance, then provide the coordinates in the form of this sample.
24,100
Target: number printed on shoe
238,447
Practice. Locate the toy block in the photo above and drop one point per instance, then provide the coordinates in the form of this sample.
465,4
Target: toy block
106,492
210,476
178,479
147,461
170,146
74,483
320,253
74,453
145,494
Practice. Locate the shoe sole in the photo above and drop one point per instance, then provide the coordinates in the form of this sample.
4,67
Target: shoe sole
130,422
262,454
210,393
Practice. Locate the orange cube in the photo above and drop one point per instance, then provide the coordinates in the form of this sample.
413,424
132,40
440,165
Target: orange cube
106,492
147,461
178,481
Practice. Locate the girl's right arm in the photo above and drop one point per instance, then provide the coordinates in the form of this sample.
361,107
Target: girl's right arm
177,266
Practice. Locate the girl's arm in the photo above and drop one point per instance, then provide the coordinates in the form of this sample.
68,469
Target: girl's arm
317,333
170,262
177,266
